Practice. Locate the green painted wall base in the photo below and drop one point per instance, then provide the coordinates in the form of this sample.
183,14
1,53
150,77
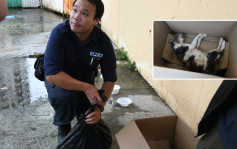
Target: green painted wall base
14,3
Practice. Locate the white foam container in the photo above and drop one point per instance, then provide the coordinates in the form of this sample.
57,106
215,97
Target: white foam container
124,101
116,89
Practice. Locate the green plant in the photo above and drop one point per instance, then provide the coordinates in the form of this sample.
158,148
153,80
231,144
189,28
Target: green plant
121,54
43,7
132,66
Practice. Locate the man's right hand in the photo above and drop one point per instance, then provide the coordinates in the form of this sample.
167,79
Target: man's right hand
93,95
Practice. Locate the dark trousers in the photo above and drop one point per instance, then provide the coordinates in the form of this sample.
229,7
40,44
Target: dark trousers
67,104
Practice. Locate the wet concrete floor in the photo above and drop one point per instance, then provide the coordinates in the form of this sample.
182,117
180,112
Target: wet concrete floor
25,113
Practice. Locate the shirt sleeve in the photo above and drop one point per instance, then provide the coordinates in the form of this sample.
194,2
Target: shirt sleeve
108,62
54,53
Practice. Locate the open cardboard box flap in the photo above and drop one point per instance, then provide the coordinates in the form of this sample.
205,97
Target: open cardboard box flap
157,133
169,55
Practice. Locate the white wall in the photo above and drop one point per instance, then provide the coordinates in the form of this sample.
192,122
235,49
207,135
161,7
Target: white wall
129,24
56,5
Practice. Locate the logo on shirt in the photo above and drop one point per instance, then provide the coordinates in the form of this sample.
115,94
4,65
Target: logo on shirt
97,55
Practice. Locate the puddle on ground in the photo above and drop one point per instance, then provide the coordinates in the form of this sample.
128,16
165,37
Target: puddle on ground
36,88
18,85
25,32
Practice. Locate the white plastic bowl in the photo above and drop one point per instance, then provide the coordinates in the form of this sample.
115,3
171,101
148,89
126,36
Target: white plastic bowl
116,90
124,101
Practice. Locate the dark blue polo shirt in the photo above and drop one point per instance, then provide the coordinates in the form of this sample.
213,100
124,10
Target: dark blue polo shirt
65,53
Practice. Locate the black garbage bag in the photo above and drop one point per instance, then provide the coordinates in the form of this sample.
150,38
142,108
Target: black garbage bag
86,136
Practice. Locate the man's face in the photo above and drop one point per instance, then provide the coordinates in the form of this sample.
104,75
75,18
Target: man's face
82,17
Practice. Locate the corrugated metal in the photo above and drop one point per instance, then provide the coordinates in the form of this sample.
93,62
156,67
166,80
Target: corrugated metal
68,6
14,3
23,3
30,3
56,5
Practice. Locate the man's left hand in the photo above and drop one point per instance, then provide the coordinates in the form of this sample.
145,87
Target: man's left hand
94,117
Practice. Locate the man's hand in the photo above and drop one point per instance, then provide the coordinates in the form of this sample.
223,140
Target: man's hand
93,95
94,117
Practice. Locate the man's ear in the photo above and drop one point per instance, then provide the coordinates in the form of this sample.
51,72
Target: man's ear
96,21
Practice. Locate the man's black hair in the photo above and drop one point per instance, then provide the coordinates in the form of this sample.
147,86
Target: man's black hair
99,7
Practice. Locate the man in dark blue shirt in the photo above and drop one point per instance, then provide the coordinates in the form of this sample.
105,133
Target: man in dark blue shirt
219,122
74,50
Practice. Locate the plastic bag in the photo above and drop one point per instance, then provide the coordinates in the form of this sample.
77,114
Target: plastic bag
86,136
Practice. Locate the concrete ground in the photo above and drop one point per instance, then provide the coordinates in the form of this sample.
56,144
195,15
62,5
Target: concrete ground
25,113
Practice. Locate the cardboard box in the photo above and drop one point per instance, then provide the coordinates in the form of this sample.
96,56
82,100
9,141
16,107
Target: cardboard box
157,133
166,64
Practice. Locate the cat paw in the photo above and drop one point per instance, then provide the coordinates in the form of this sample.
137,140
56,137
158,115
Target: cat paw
222,44
221,40
204,35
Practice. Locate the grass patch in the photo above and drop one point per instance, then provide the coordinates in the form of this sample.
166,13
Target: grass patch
121,54
132,66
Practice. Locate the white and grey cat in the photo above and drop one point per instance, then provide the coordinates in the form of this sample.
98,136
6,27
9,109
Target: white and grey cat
192,57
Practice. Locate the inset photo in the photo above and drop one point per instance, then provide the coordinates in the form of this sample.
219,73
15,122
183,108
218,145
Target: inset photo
194,50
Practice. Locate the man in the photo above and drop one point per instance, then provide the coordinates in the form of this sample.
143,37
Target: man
3,9
75,49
